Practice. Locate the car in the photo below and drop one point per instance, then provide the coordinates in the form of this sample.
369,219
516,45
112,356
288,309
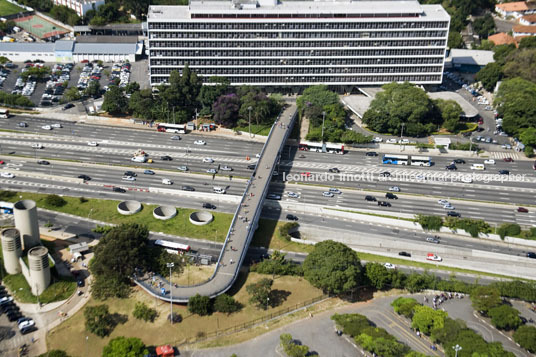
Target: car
433,257
25,322
9,307
451,167
68,106
200,142
182,168
531,255
212,171
335,190
306,174
128,178
391,141
43,162
371,153
226,168
389,266
504,172
453,214
377,140
508,159
92,143
433,240
489,161
119,189
13,316
384,204
6,300
175,137
291,194
442,202
334,170
7,175
166,181
273,196
506,146
522,210
391,196
404,254
466,179
291,217
23,124
209,205
403,141
37,146
327,194
252,166
166,158
385,174
449,206
370,198
80,283
394,188
28,329
208,160
148,172
420,178
84,177
2,162
130,173
56,125
187,188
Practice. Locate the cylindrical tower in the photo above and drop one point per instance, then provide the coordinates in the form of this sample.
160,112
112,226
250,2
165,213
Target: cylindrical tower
25,213
39,269
11,249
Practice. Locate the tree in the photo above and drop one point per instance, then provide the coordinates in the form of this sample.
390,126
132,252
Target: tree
55,201
505,317
142,104
526,337
98,320
501,53
226,303
484,26
527,42
521,64
225,110
55,353
65,15
132,87
455,40
260,292
485,298
450,114
291,348
515,102
430,223
215,88
144,312
377,274
486,45
93,89
118,254
125,347
415,282
316,96
404,306
528,136
332,267
72,94
425,319
115,102
39,73
200,305
490,75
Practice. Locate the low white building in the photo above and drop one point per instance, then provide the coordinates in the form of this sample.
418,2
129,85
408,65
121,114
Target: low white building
528,20
80,6
523,31
513,9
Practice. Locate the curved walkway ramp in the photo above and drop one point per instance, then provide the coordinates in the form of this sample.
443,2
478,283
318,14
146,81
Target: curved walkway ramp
243,224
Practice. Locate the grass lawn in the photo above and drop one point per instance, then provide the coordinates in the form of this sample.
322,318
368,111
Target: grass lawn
262,129
7,8
60,289
71,335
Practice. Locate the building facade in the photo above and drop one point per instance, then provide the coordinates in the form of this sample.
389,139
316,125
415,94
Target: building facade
80,6
300,43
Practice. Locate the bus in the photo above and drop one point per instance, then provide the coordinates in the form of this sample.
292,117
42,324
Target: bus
6,207
172,247
395,159
332,148
171,128
4,113
421,161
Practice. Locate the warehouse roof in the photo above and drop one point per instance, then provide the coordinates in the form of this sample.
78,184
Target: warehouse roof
105,48
26,47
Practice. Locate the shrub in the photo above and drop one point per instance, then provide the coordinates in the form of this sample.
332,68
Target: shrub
144,312
83,200
505,317
98,320
200,305
55,201
508,229
430,223
404,306
286,228
277,265
351,324
291,347
226,303
102,229
526,337
529,151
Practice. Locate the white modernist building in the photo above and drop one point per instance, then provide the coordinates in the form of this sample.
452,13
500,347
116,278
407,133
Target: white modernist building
80,6
300,43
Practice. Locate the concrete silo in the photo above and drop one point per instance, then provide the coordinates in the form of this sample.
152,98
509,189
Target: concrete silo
11,249
39,269
25,213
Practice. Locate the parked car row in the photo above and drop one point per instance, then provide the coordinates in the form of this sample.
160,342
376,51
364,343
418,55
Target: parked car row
4,72
55,87
121,72
12,311
89,74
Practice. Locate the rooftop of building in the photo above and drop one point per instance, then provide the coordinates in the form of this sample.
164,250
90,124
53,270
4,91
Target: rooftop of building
72,46
383,9
501,38
118,27
106,39
470,57
524,29
468,109
513,6
105,48
529,18
26,47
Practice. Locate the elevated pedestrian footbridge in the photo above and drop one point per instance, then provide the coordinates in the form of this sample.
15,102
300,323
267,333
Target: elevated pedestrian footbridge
244,222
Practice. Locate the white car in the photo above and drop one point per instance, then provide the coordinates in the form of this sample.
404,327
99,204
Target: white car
46,127
327,194
389,266
442,202
449,206
166,181
467,179
226,168
335,190
56,125
128,178
258,156
394,188
200,142
506,146
433,257
182,168
208,160
391,141
7,175
26,323
37,146
211,171
6,299
420,178
377,140
403,141
489,162
291,194
92,143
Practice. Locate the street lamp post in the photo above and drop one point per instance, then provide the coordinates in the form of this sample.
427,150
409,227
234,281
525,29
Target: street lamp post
323,119
89,214
249,110
170,265
401,135
457,348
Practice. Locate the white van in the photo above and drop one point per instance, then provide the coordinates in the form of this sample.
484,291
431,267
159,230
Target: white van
478,167
139,159
218,190
166,181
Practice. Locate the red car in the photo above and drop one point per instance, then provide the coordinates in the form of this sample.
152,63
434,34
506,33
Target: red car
508,159
2,162
308,174
522,209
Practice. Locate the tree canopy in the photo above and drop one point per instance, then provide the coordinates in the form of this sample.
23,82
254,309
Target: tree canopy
516,102
332,267
125,347
114,101
490,75
526,337
260,292
98,320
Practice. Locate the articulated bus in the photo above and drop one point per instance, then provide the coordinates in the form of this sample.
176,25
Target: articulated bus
171,128
331,148
172,247
395,159
421,161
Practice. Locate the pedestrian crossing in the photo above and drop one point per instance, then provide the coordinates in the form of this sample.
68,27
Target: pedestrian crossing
504,154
